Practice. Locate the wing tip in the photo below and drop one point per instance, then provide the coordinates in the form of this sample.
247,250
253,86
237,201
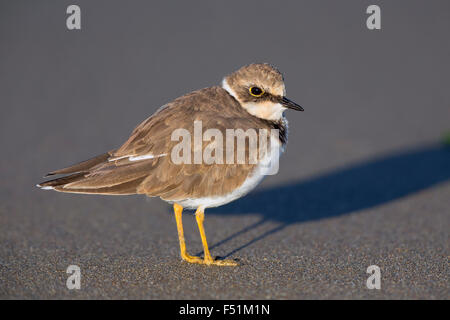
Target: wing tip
44,187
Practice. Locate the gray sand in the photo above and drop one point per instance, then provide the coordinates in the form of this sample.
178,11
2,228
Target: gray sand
364,180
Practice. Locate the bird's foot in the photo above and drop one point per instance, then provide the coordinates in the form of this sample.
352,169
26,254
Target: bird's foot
192,259
225,262
209,261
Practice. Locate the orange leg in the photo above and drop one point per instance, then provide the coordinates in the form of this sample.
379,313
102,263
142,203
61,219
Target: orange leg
200,217
208,260
184,255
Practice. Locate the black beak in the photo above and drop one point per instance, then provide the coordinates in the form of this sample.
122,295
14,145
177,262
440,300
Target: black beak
290,104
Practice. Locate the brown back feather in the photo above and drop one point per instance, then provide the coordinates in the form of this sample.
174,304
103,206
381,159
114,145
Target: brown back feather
160,176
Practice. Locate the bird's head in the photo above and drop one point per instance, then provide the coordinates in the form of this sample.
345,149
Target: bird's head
260,90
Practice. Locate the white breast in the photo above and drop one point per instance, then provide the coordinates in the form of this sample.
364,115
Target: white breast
267,166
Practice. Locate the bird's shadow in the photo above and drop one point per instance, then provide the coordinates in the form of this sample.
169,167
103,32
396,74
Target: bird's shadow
342,191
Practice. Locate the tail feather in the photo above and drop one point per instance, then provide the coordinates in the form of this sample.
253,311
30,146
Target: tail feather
83,166
51,184
110,174
129,187
100,176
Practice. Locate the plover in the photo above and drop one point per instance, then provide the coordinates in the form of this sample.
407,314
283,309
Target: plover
252,97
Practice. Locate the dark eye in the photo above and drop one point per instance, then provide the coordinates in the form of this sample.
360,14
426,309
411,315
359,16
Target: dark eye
256,91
